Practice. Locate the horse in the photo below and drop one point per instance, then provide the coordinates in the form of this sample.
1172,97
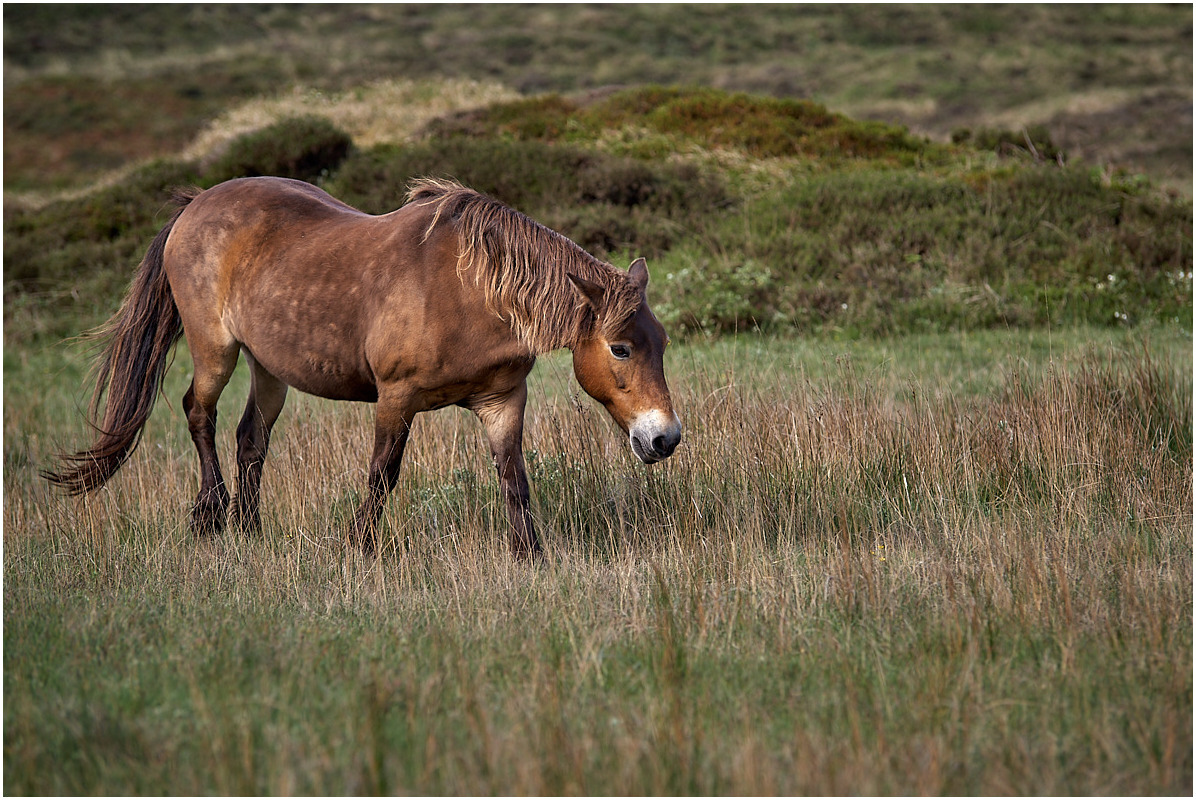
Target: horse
447,300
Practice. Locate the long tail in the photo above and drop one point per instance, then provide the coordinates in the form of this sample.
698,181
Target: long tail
139,340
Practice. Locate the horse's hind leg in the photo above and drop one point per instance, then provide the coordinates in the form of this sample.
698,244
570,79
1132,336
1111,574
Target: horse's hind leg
266,397
212,371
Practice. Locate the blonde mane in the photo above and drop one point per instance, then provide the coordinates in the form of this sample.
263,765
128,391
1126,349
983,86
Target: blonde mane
522,268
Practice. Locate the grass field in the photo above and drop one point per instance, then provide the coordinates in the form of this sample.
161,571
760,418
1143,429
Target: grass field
946,564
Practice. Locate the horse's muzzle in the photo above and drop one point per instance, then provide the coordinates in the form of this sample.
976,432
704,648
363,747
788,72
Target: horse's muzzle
654,436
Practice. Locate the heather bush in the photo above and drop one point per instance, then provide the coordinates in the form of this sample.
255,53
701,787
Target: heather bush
305,148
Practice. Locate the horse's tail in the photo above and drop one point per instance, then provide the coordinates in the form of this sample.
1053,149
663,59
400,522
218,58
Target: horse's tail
139,339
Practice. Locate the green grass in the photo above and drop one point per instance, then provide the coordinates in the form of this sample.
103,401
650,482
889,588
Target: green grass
953,564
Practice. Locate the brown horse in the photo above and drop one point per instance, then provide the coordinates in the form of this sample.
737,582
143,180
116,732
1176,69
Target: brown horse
445,301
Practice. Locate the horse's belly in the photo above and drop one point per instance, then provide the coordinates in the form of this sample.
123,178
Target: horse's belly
326,379
330,373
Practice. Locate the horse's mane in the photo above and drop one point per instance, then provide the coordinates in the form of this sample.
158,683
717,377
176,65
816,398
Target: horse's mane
523,268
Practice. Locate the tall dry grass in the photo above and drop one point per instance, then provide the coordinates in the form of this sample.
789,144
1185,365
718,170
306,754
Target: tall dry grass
848,582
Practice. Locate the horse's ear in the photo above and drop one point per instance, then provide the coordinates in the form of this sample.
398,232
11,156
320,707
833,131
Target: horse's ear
592,293
638,273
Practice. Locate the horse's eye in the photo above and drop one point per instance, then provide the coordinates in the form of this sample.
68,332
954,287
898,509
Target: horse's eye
620,351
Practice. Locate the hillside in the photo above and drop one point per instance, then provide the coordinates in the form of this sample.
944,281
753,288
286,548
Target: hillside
753,212
88,88
948,198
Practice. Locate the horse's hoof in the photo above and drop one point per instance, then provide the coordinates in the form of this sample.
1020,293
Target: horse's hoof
247,519
207,520
365,540
525,550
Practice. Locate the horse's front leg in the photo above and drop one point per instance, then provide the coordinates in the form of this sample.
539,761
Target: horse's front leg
391,429
502,418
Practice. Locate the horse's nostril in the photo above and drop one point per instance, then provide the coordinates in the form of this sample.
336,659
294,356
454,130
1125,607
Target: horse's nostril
654,439
664,445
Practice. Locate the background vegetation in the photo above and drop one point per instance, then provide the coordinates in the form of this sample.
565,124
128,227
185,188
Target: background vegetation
753,212
1111,82
930,530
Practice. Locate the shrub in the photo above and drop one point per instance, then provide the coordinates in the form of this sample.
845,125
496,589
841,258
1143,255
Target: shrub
67,264
521,174
761,126
305,148
880,251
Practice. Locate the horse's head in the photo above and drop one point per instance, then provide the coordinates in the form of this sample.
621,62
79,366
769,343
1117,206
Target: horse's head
623,369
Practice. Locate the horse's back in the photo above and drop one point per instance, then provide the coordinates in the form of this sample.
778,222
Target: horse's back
250,234
257,207
327,298
273,190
